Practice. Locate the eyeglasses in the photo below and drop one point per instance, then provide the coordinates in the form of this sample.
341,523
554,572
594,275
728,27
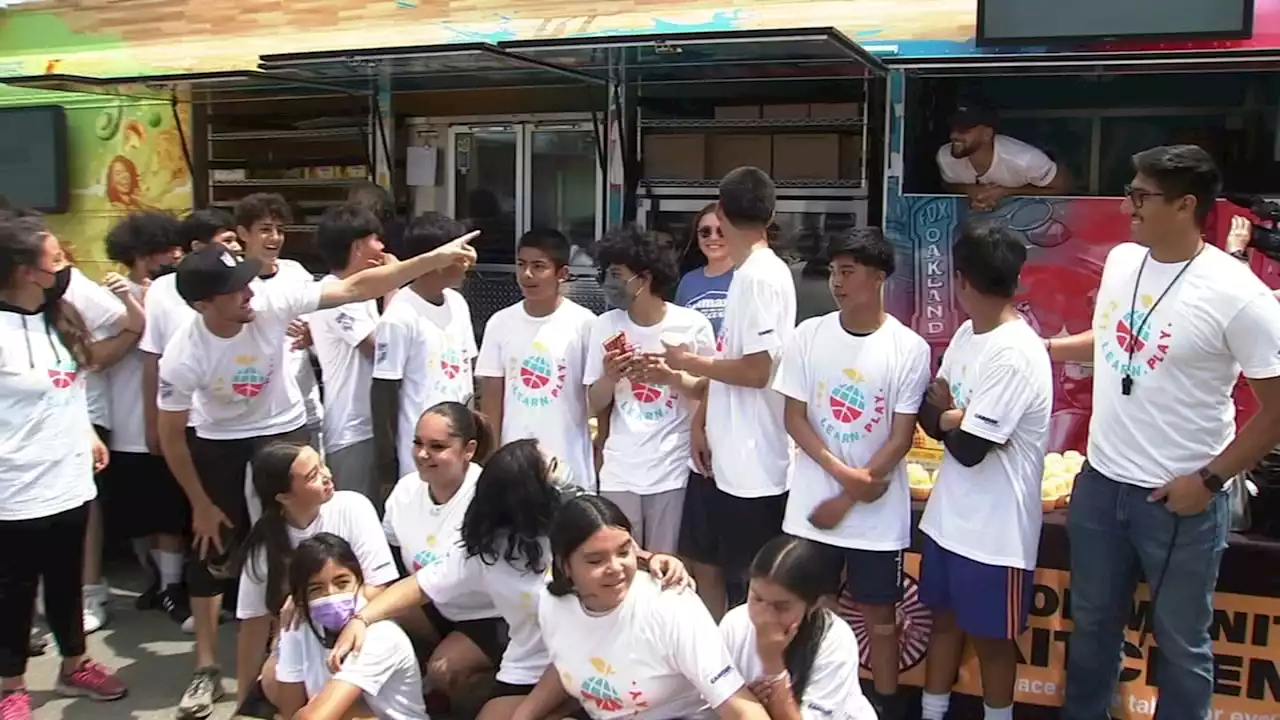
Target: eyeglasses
1138,196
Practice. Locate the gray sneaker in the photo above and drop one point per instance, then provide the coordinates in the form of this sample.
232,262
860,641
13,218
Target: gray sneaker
205,690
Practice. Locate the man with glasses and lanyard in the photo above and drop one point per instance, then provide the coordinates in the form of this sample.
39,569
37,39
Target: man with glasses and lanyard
1176,321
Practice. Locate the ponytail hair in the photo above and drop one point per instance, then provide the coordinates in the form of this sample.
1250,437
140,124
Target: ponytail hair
266,553
22,238
806,570
468,426
68,325
577,519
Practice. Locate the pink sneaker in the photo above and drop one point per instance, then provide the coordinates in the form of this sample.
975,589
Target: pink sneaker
92,681
16,706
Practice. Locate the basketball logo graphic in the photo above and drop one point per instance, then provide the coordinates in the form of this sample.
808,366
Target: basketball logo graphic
915,625
63,375
248,381
535,372
645,393
847,401
451,363
1129,340
600,691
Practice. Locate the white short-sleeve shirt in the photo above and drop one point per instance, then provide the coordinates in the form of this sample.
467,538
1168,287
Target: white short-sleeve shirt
853,387
429,349
656,656
167,312
991,512
350,516
242,384
650,427
386,669
541,360
1014,164
291,271
1217,321
336,334
102,313
750,449
833,692
124,380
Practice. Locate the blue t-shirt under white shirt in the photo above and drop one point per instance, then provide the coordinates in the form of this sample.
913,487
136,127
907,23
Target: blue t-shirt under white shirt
705,294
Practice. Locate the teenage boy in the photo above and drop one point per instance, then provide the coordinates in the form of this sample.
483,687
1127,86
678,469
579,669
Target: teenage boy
261,219
425,349
1176,322
989,407
532,359
650,406
853,381
227,361
141,501
348,238
735,505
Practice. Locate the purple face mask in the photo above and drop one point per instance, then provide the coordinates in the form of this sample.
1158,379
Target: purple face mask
334,612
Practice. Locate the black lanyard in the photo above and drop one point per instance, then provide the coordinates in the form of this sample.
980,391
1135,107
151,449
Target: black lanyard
1126,382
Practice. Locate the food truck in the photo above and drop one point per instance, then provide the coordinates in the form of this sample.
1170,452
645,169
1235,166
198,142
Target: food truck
579,115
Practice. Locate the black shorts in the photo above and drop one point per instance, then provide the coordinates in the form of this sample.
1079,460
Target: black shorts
724,530
140,497
222,467
501,690
488,634
873,577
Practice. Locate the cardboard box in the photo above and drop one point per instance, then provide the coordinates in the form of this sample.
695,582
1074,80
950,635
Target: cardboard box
806,157
781,112
675,157
836,110
851,157
738,112
733,151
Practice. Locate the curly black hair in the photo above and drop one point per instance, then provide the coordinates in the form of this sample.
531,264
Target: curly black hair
643,253
262,206
510,517
142,234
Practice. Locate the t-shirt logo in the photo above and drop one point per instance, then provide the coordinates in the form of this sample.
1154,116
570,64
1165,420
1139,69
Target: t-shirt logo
344,321
1123,333
541,379
649,403
247,381
853,408
451,363
600,692
63,374
380,353
720,341
427,557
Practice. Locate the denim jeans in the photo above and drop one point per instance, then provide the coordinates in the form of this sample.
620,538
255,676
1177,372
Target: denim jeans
1115,534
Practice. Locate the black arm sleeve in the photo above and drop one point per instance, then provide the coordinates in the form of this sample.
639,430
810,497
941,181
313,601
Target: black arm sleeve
968,450
928,417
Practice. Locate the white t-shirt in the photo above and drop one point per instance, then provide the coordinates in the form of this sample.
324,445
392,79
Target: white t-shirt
102,313
337,334
124,379
167,312
1013,165
541,360
243,384
299,361
650,426
350,516
833,691
514,591
426,532
992,512
46,459
429,349
853,386
1216,321
750,449
656,656
386,669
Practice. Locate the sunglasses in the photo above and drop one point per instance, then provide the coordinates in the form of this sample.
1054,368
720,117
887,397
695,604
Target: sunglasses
708,231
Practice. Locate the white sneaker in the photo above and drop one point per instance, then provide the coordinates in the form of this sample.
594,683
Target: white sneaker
95,608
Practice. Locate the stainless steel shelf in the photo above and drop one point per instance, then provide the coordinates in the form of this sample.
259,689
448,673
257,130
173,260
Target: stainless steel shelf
335,182
317,134
777,123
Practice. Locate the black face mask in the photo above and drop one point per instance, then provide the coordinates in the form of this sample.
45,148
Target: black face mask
160,271
61,279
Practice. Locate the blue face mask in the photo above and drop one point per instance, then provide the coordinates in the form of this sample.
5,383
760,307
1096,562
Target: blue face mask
334,612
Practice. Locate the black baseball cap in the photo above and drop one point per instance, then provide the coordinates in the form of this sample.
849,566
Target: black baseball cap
212,271
971,114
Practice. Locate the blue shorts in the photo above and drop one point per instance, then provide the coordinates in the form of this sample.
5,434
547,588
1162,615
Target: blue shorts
989,601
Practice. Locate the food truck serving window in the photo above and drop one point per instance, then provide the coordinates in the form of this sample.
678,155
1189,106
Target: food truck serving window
1091,120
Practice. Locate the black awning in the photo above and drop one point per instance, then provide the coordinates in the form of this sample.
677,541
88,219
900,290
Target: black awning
458,66
708,56
204,86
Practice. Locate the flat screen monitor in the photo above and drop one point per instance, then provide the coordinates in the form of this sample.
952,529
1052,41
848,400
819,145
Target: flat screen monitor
1049,22
33,158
